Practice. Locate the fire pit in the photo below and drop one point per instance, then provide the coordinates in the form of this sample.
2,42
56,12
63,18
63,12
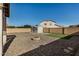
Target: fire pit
35,38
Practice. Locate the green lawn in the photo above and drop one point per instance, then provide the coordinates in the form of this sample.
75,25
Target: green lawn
57,35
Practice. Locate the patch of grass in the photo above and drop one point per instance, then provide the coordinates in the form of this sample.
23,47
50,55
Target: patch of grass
67,37
56,35
61,36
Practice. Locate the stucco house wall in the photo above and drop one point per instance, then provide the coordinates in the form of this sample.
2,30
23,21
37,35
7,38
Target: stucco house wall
3,14
1,34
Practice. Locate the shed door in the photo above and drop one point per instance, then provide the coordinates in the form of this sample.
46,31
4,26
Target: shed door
40,29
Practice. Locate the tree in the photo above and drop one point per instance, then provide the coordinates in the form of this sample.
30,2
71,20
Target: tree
10,26
27,26
74,26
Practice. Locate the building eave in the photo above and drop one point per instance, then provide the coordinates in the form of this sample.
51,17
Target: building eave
6,8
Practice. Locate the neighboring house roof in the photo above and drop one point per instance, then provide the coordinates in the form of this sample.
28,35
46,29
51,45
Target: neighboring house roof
49,20
59,25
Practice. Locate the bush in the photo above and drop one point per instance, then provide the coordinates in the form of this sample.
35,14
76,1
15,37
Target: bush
10,26
24,26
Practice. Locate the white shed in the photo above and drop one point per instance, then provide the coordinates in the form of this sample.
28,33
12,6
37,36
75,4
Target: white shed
40,29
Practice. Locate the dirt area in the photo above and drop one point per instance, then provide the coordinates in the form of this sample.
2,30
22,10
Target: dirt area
22,45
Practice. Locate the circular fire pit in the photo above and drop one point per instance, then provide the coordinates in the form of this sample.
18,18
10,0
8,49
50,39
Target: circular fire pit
35,38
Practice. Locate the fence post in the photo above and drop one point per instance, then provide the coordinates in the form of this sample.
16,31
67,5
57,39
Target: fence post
48,30
63,30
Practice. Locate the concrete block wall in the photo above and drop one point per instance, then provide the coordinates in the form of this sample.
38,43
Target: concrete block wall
56,30
67,31
46,30
17,30
71,30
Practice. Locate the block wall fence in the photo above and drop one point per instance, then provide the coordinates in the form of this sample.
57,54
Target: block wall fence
66,30
17,30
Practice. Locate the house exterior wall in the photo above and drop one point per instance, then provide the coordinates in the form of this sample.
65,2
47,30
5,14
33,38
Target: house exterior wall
3,15
1,5
2,26
1,34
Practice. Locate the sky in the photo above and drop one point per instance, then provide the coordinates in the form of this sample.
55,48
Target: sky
33,13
